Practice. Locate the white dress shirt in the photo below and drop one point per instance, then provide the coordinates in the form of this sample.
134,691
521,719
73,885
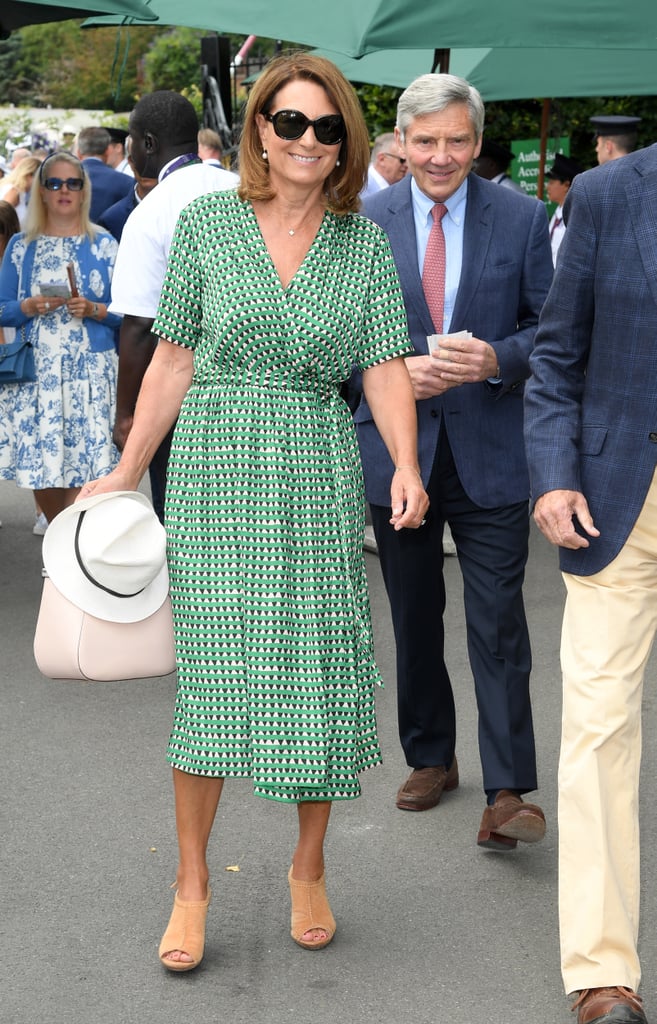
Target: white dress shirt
557,230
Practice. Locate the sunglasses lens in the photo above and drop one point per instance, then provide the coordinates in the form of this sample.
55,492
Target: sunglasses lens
74,184
329,130
290,124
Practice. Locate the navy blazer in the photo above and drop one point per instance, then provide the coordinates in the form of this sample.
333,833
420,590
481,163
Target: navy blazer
115,216
107,186
591,408
506,274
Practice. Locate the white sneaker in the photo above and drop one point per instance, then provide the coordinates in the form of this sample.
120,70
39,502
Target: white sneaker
40,526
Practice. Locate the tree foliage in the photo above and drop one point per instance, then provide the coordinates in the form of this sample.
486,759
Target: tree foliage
12,88
174,60
379,106
61,65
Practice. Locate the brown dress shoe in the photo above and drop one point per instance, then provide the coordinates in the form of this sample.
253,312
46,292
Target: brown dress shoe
615,1005
509,820
424,787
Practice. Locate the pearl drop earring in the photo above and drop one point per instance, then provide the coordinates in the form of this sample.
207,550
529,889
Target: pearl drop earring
337,163
265,155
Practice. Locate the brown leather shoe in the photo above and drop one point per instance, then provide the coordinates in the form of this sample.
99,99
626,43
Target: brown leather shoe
616,1005
509,820
424,787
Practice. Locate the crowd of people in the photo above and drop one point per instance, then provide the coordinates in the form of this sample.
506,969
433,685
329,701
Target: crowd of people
202,325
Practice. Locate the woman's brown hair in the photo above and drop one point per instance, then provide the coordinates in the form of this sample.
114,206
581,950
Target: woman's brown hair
9,225
345,182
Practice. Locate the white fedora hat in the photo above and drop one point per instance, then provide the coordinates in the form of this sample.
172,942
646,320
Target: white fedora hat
107,555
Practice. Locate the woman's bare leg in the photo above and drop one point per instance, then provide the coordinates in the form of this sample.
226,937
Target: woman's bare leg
308,859
53,500
197,799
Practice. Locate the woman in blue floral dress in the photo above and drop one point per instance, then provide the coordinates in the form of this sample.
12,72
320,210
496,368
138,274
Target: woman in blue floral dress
56,432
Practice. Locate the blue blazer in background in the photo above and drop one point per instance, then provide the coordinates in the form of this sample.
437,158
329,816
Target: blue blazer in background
505,277
115,216
591,406
107,186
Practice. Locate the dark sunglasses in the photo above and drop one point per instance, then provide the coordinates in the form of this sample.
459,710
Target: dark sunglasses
402,159
292,124
72,184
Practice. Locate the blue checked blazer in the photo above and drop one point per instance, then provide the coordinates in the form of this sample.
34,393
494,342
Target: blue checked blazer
591,405
505,277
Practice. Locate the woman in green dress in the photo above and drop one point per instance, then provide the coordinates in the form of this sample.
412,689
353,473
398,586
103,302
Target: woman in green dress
273,292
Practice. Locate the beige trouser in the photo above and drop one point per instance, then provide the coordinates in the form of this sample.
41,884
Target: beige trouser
609,625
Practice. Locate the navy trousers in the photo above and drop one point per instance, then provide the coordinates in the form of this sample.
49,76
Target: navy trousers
492,547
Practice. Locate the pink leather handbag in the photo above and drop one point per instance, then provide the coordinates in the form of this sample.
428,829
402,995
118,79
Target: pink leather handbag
72,644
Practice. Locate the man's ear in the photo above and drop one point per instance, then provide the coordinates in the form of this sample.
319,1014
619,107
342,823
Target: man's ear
150,142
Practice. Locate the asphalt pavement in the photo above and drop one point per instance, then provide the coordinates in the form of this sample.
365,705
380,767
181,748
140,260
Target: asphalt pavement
431,929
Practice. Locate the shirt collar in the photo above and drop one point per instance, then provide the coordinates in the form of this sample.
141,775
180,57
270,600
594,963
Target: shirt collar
422,204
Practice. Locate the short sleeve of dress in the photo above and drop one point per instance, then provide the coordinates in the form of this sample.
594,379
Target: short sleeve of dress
385,328
179,313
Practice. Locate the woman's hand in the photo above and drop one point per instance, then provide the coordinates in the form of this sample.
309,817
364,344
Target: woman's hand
408,499
81,307
41,305
389,393
117,480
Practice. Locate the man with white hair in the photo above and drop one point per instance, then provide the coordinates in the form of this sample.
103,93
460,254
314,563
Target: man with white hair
475,267
387,165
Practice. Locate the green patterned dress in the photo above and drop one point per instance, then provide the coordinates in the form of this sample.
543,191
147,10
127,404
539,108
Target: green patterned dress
265,502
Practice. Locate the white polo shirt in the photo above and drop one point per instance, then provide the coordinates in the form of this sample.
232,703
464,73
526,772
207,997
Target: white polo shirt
141,261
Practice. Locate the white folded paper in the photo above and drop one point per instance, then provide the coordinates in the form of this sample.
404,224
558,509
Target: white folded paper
434,342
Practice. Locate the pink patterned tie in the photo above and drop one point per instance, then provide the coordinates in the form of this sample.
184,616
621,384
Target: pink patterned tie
433,272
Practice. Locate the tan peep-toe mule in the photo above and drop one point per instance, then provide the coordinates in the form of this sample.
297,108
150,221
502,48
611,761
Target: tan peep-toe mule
310,909
186,932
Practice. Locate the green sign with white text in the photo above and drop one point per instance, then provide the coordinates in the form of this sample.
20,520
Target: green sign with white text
526,161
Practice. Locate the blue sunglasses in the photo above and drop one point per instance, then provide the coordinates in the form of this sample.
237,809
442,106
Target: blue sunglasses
55,184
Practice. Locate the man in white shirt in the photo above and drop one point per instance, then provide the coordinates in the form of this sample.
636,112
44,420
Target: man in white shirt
209,147
493,164
387,165
557,183
163,133
116,155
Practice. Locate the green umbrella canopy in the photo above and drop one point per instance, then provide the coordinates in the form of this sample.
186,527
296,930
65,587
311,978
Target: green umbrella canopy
356,27
18,13
513,74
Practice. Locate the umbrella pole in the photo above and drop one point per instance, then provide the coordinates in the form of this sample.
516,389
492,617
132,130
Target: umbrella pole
440,62
545,123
